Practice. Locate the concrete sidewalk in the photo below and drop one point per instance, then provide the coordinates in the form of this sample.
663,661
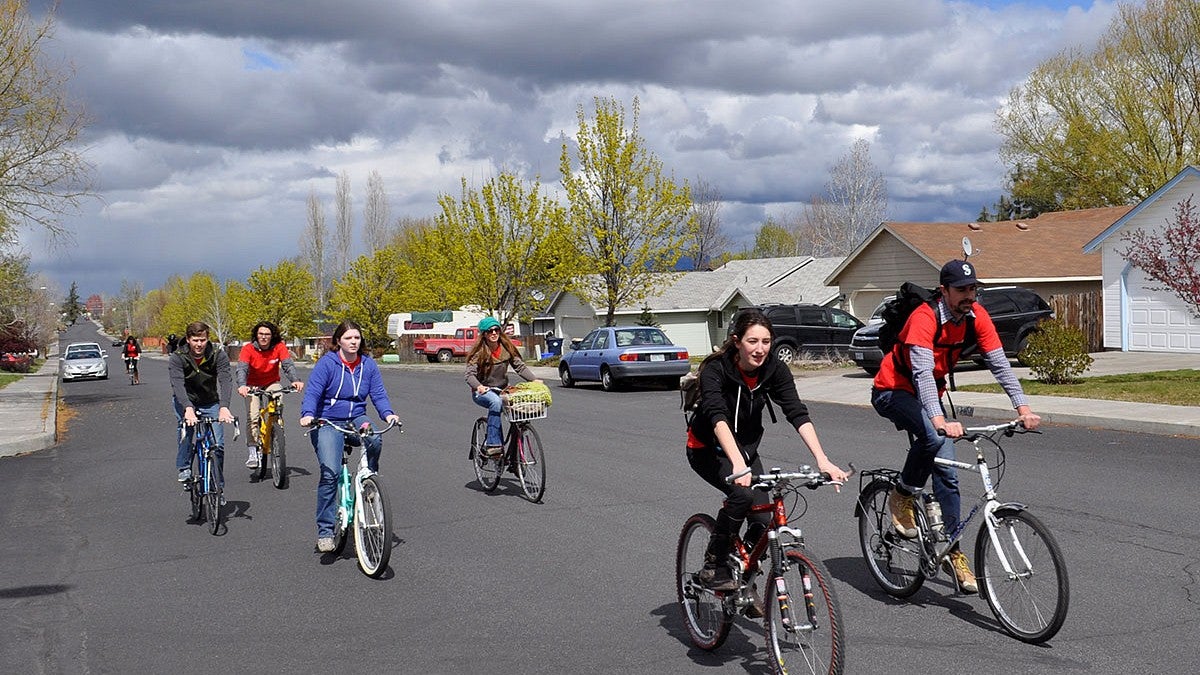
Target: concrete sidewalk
28,407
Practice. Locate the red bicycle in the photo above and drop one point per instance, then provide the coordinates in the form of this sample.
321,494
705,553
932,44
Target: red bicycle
799,607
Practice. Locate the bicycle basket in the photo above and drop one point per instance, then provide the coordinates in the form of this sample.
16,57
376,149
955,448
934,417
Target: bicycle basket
525,405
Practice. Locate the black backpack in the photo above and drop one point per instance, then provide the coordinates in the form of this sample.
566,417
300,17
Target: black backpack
896,311
895,314
689,395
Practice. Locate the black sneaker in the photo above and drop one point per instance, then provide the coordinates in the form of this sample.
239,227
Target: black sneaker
717,578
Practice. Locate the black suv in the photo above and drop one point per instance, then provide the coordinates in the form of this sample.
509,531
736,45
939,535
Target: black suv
808,328
1016,311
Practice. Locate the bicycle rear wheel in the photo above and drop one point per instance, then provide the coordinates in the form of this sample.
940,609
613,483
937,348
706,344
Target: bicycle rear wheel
531,464
894,562
707,614
1031,603
212,498
487,469
373,528
279,469
803,619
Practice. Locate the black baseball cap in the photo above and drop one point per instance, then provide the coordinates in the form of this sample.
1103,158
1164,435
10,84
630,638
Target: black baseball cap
958,273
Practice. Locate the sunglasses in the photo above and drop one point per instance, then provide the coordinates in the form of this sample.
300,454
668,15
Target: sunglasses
492,330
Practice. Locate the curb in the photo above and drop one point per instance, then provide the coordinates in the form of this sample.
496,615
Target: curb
27,443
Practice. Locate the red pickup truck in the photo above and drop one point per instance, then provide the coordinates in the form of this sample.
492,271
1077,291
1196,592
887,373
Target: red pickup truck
444,349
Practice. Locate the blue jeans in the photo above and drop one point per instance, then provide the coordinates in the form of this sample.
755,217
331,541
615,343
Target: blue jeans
492,401
328,444
183,459
905,410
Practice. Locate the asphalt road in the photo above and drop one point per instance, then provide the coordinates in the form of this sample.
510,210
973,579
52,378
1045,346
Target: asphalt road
102,572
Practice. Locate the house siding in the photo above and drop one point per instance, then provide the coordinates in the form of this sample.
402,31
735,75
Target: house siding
878,271
1166,324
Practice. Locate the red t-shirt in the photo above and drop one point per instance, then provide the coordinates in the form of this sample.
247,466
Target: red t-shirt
919,330
263,367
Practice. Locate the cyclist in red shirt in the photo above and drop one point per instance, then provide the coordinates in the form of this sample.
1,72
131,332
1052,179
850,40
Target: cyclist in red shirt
132,352
259,365
908,389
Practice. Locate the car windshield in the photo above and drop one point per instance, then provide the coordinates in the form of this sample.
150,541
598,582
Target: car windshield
636,337
83,354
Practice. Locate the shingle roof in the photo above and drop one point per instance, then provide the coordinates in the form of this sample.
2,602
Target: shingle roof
1049,246
761,281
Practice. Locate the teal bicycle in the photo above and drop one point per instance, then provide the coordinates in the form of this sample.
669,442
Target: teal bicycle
362,504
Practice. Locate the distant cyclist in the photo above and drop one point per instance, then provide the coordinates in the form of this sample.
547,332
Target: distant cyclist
338,389
908,389
132,351
259,365
200,385
487,367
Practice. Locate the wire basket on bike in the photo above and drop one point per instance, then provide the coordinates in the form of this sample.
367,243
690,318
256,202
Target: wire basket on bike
527,401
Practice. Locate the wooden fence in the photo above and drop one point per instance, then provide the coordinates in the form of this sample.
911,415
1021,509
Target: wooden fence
1084,311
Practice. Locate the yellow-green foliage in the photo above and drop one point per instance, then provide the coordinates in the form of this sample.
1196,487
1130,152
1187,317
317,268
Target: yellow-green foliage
1056,353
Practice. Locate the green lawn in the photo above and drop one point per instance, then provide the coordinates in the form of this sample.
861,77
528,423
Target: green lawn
1174,387
6,378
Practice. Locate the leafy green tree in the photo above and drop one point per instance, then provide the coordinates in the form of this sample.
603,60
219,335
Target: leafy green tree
285,295
71,307
631,220
43,172
1109,125
368,293
773,241
200,297
503,244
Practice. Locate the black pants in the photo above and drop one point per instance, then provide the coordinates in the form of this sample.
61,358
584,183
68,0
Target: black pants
713,466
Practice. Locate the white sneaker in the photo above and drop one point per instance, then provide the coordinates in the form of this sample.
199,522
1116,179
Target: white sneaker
325,544
252,459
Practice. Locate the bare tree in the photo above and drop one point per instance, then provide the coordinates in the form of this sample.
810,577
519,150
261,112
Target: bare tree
375,214
709,240
343,236
43,172
313,249
854,203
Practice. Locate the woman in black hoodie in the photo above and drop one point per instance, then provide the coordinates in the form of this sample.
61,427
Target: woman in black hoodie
723,437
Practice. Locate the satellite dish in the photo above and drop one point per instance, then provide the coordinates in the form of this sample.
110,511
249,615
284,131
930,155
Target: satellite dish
967,249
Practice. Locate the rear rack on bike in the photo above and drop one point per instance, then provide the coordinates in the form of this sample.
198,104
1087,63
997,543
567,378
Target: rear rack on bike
523,406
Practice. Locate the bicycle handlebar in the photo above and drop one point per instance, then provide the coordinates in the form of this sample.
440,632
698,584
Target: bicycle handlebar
365,430
991,431
258,391
811,478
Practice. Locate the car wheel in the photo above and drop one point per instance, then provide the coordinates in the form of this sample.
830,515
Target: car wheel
607,381
445,355
1021,345
785,353
564,376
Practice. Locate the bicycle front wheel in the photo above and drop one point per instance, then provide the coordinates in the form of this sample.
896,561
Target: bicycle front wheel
212,498
531,464
193,489
265,437
487,469
1031,600
372,528
279,468
894,562
804,621
707,614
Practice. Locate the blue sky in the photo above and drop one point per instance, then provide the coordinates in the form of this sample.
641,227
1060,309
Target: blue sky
214,121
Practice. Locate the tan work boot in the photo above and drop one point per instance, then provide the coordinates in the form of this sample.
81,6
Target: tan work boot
958,565
903,519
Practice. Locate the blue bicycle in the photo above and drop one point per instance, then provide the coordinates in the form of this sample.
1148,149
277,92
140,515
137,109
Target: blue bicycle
204,487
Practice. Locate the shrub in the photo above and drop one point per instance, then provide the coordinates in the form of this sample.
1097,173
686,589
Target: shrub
16,363
1056,353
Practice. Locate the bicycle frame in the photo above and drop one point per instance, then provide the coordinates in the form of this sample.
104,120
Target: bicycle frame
203,441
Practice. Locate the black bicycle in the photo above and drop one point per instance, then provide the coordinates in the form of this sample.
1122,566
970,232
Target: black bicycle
204,487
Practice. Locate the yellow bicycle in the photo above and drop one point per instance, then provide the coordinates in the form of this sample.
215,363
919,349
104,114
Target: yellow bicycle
271,446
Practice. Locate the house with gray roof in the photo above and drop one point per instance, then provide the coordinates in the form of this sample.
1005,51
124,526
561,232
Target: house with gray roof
694,308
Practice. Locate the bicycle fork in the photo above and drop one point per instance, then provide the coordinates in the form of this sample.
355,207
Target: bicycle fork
783,595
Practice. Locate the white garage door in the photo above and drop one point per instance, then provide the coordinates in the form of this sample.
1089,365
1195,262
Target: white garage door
1158,321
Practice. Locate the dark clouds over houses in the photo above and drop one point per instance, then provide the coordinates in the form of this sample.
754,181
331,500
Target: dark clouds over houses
219,116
